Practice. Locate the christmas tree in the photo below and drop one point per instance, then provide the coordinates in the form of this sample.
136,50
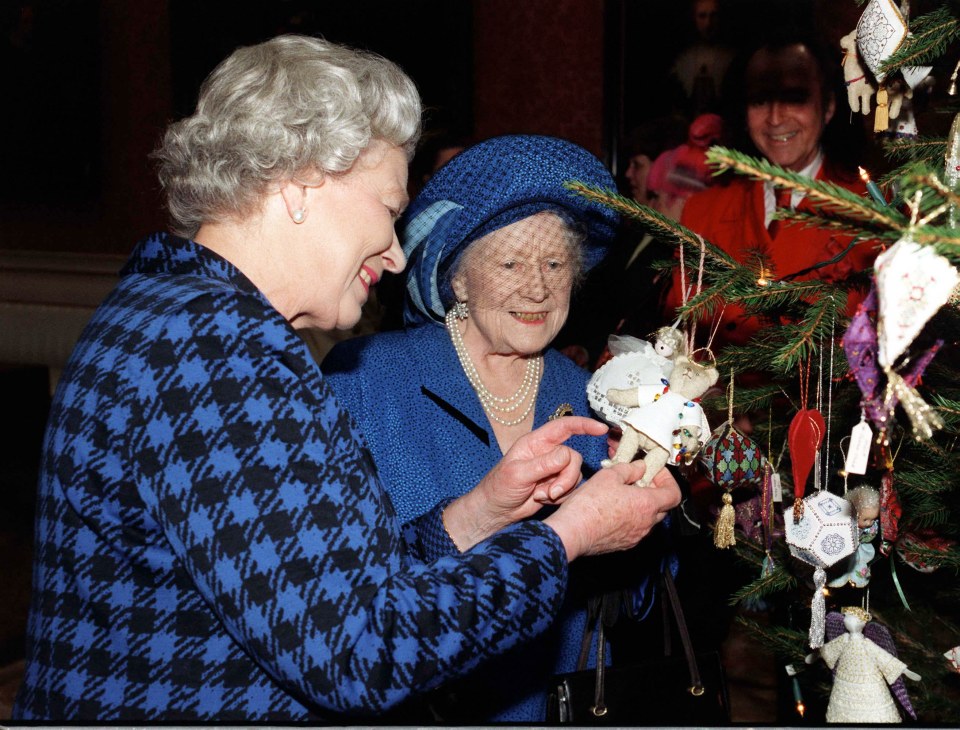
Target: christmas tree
821,377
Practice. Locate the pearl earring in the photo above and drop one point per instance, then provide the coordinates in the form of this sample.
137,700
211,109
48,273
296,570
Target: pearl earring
298,215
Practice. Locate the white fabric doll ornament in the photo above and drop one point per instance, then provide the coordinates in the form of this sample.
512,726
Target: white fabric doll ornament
664,419
866,671
634,362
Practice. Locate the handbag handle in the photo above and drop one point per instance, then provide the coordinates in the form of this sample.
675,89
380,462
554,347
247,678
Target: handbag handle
595,618
595,615
696,683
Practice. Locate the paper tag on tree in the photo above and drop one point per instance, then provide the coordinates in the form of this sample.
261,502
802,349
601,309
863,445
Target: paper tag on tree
775,489
861,438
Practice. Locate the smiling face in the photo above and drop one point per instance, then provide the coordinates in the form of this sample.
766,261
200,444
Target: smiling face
516,282
786,109
348,238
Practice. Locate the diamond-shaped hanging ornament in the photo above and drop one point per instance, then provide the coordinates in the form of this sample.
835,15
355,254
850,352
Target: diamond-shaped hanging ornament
913,282
880,33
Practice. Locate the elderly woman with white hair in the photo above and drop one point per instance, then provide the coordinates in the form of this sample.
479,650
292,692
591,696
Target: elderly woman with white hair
496,241
213,542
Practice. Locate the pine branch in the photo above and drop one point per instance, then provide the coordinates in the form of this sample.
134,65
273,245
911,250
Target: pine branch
836,198
788,644
657,224
747,400
822,219
818,324
704,304
929,37
758,356
948,408
914,149
776,581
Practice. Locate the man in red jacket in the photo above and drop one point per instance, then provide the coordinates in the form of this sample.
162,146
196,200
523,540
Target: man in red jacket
789,101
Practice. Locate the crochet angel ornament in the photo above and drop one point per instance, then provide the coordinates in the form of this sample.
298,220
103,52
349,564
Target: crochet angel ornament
664,419
866,670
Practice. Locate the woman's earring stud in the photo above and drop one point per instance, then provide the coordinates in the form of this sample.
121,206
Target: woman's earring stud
460,310
298,215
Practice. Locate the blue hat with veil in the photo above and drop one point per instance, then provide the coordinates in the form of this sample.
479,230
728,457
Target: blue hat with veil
486,187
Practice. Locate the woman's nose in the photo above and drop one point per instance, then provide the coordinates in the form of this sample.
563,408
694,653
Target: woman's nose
393,258
537,286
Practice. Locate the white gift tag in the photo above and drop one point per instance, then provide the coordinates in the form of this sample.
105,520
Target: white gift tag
775,489
861,437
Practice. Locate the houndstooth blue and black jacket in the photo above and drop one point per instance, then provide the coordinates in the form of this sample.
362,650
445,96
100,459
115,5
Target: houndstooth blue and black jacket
212,538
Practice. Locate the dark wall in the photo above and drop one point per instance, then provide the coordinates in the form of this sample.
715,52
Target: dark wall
540,69
430,39
93,83
95,91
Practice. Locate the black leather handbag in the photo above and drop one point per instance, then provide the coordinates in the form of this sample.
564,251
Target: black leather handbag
669,690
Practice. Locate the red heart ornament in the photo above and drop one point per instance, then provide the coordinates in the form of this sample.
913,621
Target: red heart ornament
804,438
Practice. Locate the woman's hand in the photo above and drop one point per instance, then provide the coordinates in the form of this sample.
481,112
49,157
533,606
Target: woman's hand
609,512
538,469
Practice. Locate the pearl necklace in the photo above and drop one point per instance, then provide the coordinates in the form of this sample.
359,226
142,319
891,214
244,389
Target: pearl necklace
494,405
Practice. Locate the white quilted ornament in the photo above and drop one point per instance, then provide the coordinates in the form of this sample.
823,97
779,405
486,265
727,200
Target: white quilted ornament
913,282
820,530
825,533
880,32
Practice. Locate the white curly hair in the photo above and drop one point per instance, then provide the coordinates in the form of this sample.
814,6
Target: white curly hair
293,107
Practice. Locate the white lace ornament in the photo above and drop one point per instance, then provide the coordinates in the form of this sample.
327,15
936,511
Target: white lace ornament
635,362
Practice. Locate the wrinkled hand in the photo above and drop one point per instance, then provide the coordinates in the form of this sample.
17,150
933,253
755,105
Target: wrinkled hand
538,469
610,513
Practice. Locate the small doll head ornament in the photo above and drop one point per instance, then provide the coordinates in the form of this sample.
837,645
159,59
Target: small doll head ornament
669,342
866,504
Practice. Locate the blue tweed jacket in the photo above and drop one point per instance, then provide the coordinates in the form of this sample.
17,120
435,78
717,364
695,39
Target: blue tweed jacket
432,441
213,542
425,426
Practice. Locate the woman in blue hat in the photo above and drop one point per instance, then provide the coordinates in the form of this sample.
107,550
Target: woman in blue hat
496,242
